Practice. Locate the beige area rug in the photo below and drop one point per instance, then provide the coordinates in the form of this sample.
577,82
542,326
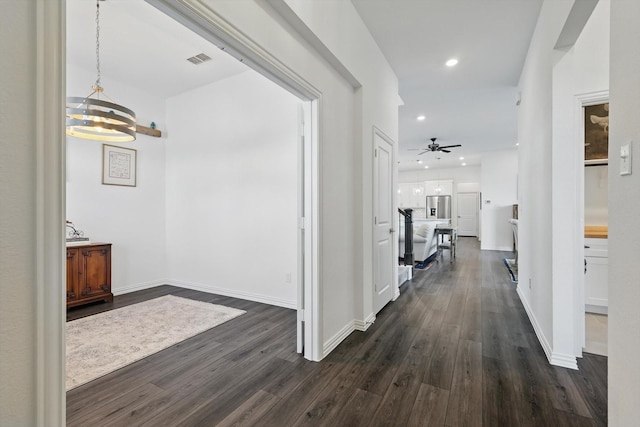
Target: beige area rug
102,343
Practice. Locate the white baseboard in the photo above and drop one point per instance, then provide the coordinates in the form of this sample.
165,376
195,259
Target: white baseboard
557,359
564,361
335,340
120,290
234,293
355,325
363,325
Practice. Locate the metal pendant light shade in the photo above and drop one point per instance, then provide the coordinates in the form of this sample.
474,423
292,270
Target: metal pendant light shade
90,118
96,119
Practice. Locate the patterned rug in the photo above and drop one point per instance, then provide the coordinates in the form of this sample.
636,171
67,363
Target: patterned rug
105,342
512,266
426,264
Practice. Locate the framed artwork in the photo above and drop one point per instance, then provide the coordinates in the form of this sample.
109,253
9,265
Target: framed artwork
118,166
596,134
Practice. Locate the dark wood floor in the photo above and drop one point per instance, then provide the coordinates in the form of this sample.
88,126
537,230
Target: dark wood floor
455,349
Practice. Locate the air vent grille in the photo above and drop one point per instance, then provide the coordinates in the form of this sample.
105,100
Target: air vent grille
199,59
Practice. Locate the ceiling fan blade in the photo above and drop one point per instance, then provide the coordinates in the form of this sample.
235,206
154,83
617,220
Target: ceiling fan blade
425,151
445,151
451,146
414,149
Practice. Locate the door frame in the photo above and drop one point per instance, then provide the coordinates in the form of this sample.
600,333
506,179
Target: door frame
581,101
394,217
50,200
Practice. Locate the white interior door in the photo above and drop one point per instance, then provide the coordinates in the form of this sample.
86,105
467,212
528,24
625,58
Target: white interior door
383,233
468,214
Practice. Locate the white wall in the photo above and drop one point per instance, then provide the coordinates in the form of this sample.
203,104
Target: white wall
596,195
534,177
131,218
499,182
232,189
18,215
624,211
338,28
550,227
348,114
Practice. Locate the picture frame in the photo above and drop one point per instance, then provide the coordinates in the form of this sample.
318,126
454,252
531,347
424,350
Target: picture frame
596,134
118,166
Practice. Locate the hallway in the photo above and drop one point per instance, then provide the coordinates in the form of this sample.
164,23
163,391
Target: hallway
455,349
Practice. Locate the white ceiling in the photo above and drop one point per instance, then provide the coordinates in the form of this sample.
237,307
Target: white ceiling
143,47
472,104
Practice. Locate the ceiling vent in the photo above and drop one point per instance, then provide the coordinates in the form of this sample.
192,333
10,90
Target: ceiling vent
199,59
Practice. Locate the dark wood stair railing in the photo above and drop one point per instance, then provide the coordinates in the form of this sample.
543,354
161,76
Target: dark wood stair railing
408,235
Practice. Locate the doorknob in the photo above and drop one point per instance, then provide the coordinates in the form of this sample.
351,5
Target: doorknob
391,231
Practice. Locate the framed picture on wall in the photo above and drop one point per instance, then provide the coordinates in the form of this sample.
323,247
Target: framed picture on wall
118,166
596,134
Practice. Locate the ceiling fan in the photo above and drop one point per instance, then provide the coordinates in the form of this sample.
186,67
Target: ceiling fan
434,146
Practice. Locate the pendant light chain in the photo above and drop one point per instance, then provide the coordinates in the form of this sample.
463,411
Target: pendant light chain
98,43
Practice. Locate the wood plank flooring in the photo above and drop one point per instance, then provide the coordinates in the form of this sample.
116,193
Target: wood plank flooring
455,349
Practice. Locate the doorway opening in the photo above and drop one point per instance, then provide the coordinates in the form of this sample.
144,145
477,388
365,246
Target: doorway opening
221,187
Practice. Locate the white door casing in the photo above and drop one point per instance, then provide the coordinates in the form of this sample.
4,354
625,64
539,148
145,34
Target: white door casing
468,214
383,231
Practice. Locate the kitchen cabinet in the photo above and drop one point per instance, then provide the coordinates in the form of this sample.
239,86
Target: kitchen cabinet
596,277
445,185
88,273
411,195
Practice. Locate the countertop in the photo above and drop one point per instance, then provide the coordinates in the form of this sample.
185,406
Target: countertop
596,231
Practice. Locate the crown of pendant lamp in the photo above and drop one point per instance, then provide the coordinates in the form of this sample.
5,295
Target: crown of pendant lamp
93,118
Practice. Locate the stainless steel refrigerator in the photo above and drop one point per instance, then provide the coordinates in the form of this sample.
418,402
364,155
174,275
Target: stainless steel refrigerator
439,207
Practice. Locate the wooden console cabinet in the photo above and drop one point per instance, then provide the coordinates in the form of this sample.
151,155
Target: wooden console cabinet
88,273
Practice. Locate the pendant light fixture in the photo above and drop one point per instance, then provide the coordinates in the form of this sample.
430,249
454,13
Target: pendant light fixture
93,118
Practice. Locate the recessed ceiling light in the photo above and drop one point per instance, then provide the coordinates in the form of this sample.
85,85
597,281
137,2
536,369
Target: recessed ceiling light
452,62
517,143
464,164
461,158
421,118
426,167
419,162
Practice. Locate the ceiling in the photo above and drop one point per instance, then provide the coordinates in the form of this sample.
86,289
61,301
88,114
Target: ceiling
153,47
473,103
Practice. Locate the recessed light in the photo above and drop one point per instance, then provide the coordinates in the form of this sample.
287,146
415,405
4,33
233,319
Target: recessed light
452,62
426,167
419,162
517,143
421,118
461,158
464,164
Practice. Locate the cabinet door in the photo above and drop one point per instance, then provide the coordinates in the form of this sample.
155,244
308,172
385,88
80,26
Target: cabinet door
72,274
95,271
596,281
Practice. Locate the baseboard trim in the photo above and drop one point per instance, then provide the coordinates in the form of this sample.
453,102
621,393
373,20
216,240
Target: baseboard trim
138,287
335,340
564,361
234,293
556,359
363,325
536,326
